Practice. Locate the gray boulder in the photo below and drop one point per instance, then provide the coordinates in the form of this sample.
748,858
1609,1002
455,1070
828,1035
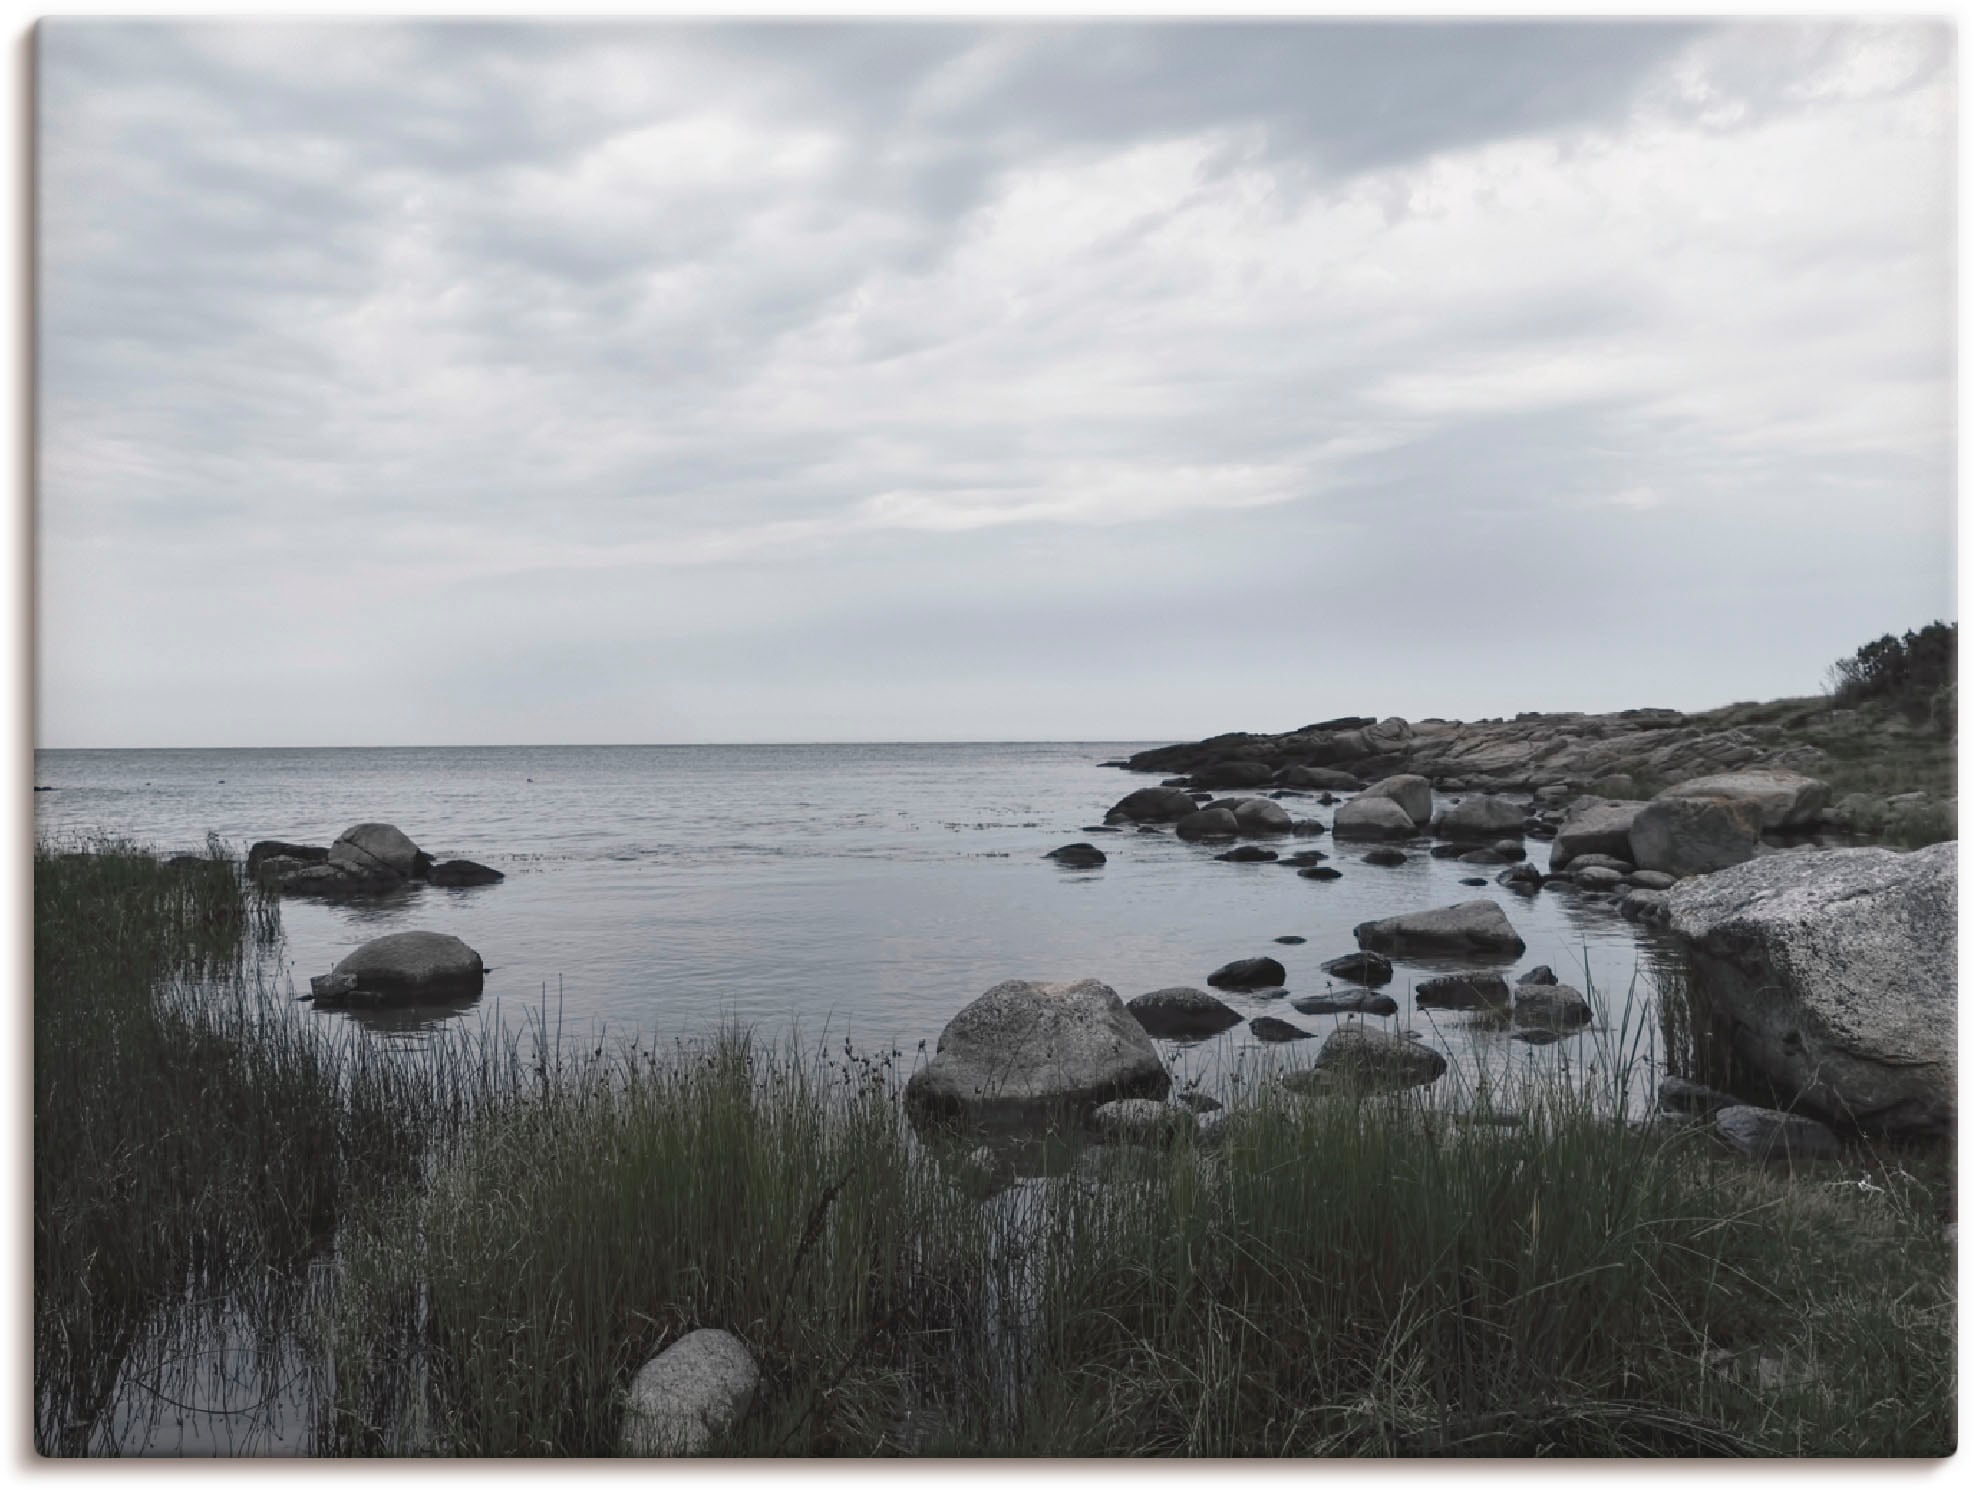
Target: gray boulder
1550,1006
1249,972
1345,1003
1384,858
1226,774
408,966
1373,817
372,847
1411,793
1152,804
1024,1048
1777,800
1595,825
1361,1056
1598,877
1369,969
688,1395
1645,905
1691,835
1262,815
1761,1133
1208,822
1463,991
1475,928
1182,1014
1482,817
270,848
1078,856
1836,975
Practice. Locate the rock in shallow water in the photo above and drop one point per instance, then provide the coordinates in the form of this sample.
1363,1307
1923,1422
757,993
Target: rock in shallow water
1373,817
408,966
1140,1120
1473,928
1278,1031
1345,1003
1182,1014
370,847
1249,972
1369,969
1463,991
459,873
1078,856
1356,1054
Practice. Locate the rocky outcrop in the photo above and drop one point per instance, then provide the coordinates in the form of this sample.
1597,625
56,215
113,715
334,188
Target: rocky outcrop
1024,1049
1777,801
1411,793
1834,975
409,967
1182,1014
1691,835
1475,928
686,1397
1224,775
372,847
1482,818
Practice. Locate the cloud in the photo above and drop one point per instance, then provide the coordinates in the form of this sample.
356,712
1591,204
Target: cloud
342,321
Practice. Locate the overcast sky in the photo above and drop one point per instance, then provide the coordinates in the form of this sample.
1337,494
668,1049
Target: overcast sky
408,384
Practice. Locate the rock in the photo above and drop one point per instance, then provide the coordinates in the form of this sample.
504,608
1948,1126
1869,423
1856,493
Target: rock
1619,784
1472,928
1691,835
1511,850
1481,856
1410,793
288,876
1385,858
1249,972
1474,881
1760,1133
332,988
1210,822
1679,1094
1595,825
1598,878
1153,804
1375,1057
1140,1120
1078,856
1290,941
1463,991
1369,969
1248,853
1650,879
1024,1048
1262,815
1372,817
1836,975
408,966
1198,1102
1305,858
372,847
1182,1014
1619,867
1323,872
1552,1006
454,873
1482,817
1645,905
1307,827
686,1397
1778,800
1447,850
1521,876
1345,1003
1318,778
1226,774
1277,1031
1539,975
270,848
1538,1035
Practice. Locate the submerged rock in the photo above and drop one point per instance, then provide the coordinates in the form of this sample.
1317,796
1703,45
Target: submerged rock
1836,975
1248,853
1024,1048
1249,972
1463,991
688,1395
1369,969
1278,1031
1476,928
409,966
1384,858
1078,856
455,873
1182,1014
1345,1003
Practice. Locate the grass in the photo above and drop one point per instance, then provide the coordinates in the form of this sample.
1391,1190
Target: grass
506,1229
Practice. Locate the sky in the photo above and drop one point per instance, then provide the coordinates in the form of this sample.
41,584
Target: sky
486,383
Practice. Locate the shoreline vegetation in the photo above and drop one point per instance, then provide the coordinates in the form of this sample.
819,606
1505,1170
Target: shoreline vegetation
471,1248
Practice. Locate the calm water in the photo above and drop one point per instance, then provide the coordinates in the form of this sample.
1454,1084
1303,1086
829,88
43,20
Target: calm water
872,889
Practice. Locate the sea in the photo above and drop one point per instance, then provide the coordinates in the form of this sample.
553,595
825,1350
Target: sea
841,892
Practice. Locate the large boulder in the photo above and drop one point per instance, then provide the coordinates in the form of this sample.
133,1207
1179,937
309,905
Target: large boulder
1025,1048
370,847
1358,1055
271,848
1474,928
1595,825
1482,817
1225,774
1209,822
1262,815
1778,800
1691,835
1182,1014
1412,793
1836,975
1373,817
688,1395
409,966
1249,972
1153,804
1369,969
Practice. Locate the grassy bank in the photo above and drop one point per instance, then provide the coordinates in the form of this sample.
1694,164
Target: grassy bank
515,1233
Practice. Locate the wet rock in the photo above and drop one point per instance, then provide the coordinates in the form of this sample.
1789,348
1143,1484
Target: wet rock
1210,822
1277,1031
1345,1003
1249,972
1551,1006
1377,1058
685,1398
1598,878
1319,778
1759,1133
1140,1120
1482,817
373,848
270,848
1650,879
1305,858
1463,991
1474,928
1153,804
1385,858
1369,969
410,966
1372,817
1481,856
1652,906
1322,872
1618,867
1595,825
1692,835
1448,850
1261,815
1836,974
1289,941
1182,1014
1248,853
1078,856
1474,881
